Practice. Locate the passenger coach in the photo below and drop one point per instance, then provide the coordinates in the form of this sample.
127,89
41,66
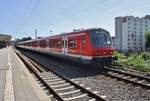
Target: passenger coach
86,46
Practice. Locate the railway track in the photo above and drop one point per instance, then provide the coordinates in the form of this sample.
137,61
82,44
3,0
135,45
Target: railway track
60,87
128,77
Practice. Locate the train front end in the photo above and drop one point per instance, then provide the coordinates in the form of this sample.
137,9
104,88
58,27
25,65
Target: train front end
102,49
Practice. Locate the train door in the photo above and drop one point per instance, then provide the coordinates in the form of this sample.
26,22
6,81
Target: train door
82,45
65,46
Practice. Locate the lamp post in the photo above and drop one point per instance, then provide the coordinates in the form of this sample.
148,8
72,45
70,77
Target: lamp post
35,33
50,32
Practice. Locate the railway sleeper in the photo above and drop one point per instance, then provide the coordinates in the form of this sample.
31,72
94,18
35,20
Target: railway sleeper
55,83
47,78
54,80
71,92
133,82
72,95
60,85
141,81
134,79
51,75
77,97
65,88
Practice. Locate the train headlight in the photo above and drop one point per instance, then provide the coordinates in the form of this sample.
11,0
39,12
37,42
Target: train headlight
96,53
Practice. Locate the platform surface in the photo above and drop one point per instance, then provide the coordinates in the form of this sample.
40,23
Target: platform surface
16,83
3,68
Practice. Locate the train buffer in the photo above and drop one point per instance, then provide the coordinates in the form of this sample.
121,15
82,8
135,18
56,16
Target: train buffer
16,82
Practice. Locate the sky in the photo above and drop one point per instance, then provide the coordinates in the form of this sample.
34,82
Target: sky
20,18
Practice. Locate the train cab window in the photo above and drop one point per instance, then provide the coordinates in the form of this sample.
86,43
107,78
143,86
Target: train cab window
100,38
72,44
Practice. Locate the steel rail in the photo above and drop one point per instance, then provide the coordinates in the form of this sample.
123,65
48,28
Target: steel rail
128,77
51,90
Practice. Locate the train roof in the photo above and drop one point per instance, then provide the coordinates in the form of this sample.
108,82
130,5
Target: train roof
64,34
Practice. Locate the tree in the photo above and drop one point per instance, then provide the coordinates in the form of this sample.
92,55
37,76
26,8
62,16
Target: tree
26,38
147,40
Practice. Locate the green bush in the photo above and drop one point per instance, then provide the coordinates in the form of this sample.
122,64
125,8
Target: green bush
134,61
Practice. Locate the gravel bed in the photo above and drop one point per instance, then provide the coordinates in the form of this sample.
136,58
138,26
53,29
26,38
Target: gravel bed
115,90
112,89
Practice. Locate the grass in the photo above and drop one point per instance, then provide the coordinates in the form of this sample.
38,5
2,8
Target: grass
136,61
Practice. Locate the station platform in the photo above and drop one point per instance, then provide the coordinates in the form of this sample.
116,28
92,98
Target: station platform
16,82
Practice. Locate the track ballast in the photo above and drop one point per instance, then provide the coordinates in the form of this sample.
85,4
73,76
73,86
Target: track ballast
60,87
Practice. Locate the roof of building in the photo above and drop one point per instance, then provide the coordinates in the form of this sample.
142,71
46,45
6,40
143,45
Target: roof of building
4,37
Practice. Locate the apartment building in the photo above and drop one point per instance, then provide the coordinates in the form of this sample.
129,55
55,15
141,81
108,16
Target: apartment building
129,32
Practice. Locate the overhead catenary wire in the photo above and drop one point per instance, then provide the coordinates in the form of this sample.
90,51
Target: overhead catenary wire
61,20
30,13
99,2
79,11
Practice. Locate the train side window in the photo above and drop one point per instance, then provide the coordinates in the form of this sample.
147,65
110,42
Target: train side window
83,41
44,43
40,43
50,43
65,43
72,44
59,44
54,44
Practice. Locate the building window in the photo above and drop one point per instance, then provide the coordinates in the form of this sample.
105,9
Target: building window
135,28
145,29
146,22
128,27
132,35
135,24
140,39
145,25
124,19
140,44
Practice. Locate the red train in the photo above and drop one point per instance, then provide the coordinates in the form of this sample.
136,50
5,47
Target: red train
86,46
